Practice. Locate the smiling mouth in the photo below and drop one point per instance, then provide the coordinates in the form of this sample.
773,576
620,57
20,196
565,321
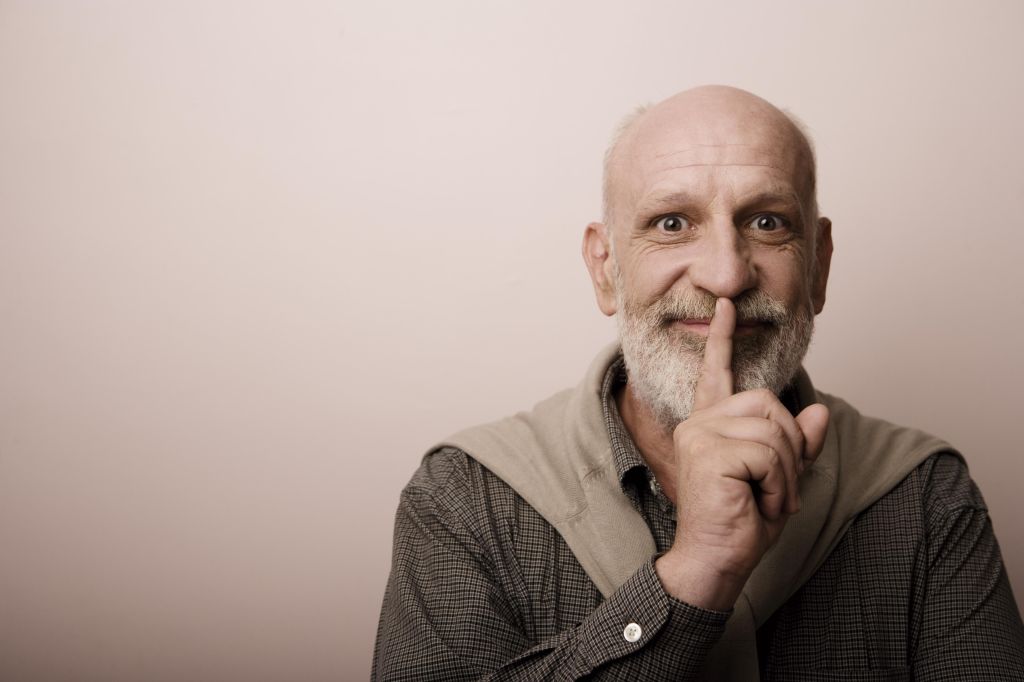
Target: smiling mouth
700,327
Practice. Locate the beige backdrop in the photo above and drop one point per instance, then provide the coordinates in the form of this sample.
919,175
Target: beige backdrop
254,257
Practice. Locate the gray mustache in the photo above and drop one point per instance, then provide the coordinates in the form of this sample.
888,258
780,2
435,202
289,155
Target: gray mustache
751,307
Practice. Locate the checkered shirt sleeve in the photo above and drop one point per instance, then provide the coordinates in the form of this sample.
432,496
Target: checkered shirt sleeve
459,605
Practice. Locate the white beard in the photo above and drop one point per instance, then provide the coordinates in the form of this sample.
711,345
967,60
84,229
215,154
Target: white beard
663,364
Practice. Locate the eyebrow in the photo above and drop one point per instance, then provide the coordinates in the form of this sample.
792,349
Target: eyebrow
674,199
790,198
664,201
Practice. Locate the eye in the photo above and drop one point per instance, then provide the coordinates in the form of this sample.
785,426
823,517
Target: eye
768,222
672,223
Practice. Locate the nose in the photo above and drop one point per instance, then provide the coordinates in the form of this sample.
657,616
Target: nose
723,265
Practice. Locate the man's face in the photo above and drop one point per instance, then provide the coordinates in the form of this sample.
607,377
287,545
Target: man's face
701,212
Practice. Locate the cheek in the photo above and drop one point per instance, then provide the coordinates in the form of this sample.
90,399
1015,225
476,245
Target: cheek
656,270
784,275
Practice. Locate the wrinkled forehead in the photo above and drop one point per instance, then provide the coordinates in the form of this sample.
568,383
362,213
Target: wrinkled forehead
660,145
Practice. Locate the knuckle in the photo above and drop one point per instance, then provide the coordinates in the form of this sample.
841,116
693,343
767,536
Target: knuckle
688,437
701,445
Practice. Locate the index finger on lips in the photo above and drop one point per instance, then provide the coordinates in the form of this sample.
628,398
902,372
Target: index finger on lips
715,383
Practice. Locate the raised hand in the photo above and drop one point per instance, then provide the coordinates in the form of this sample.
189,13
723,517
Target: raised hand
739,457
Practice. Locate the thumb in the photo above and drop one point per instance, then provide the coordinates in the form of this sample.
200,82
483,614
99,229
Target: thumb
813,421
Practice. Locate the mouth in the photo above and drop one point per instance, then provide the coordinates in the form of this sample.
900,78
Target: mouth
700,327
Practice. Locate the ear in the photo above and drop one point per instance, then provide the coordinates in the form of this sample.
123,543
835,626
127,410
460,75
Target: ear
598,257
823,258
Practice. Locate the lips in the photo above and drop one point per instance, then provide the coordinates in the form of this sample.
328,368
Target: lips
701,326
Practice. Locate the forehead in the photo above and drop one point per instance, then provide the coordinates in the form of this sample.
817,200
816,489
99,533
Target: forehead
725,173
747,153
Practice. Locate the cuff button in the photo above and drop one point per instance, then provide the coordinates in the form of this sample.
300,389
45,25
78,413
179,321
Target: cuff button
632,632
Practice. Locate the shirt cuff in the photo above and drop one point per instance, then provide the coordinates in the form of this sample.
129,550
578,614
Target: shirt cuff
642,616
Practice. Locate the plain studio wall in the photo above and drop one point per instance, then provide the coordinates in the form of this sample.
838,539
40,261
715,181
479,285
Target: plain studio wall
256,257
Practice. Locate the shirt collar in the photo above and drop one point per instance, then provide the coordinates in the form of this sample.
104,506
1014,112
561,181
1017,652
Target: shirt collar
625,454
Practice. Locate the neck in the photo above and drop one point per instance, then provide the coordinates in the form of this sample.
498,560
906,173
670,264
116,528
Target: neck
652,440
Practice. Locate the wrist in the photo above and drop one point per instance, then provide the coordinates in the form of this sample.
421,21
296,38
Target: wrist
690,580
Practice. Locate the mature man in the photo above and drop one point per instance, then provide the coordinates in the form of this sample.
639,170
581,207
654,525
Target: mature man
695,509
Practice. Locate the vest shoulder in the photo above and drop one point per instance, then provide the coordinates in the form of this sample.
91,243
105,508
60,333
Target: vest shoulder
940,483
506,432
443,471
528,450
863,432
450,479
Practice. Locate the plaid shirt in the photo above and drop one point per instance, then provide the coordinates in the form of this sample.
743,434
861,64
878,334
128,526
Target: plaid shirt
482,587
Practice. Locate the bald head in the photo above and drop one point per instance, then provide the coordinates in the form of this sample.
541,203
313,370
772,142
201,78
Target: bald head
683,128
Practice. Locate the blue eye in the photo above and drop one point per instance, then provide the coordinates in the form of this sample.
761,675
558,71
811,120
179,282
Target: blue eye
768,222
672,223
